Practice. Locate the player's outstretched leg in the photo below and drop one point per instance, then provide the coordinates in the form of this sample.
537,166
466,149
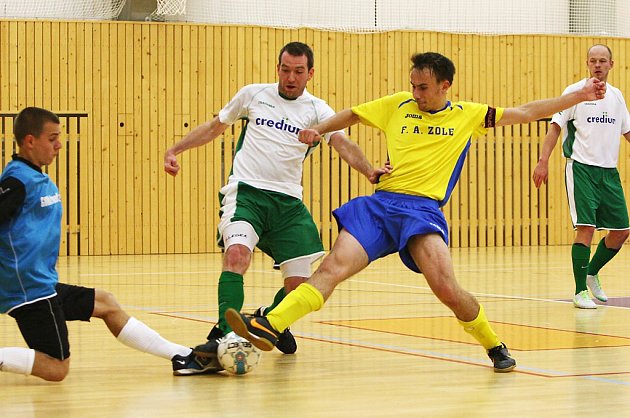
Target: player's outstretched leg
256,330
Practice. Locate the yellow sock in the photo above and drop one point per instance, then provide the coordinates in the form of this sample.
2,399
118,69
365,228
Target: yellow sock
300,302
482,331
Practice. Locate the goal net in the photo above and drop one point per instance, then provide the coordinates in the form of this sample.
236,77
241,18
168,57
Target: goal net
61,9
579,17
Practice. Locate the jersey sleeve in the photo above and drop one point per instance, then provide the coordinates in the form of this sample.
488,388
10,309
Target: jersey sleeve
12,195
236,108
563,117
378,112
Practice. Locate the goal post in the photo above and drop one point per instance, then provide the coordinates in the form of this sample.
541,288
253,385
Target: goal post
62,9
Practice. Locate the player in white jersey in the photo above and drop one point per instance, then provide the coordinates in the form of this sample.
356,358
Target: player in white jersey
261,204
590,143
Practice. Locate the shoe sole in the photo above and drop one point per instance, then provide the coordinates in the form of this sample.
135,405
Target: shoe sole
287,352
239,326
216,368
585,307
604,299
506,370
188,372
600,299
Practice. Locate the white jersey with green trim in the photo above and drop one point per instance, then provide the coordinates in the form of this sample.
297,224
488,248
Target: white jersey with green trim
269,155
592,130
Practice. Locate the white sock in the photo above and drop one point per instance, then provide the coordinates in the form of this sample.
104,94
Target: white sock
138,335
17,360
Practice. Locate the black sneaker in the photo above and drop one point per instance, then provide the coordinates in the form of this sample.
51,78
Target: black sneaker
500,356
286,341
215,333
193,364
257,331
209,348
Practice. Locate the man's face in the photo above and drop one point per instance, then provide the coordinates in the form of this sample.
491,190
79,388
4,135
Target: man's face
599,62
293,74
429,94
45,147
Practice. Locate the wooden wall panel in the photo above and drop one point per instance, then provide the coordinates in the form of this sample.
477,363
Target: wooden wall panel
145,85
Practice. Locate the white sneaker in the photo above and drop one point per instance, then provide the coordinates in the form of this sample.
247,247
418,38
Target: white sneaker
596,287
583,301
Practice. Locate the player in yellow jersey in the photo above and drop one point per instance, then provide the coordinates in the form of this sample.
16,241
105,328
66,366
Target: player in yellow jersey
428,138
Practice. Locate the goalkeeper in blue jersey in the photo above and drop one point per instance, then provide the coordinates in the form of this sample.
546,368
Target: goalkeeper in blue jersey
30,228
428,138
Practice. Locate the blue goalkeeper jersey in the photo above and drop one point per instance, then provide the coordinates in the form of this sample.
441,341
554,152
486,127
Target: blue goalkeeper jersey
29,236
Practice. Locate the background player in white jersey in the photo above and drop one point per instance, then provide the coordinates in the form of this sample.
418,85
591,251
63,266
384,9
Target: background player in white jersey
428,138
590,143
30,228
261,204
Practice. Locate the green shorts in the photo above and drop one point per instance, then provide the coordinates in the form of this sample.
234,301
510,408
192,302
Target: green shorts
284,226
595,196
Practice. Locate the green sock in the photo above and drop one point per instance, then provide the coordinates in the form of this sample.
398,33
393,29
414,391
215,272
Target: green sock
276,300
602,256
231,295
580,254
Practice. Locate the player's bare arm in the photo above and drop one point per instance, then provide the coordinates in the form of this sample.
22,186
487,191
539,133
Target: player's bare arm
541,172
627,136
354,156
593,89
199,136
339,121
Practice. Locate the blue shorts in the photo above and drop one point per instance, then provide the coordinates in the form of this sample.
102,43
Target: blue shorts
384,222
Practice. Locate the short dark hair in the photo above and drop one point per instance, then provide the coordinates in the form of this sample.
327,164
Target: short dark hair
297,49
30,121
440,66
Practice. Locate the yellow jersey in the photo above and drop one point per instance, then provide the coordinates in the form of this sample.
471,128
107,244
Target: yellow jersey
426,149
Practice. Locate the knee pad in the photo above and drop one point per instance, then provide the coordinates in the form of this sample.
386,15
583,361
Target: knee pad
299,267
239,232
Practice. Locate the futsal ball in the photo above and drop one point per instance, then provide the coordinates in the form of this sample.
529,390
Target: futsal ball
237,355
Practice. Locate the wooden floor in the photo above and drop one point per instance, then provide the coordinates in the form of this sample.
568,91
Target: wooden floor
382,345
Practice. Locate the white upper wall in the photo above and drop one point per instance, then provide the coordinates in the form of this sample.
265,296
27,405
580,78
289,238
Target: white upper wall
587,17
